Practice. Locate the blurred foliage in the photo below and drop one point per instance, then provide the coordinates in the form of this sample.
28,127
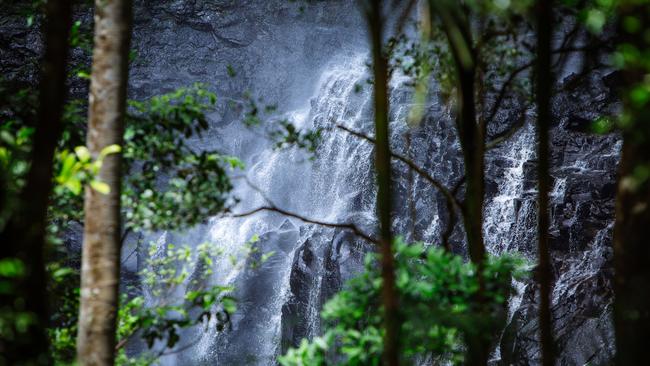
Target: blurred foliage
157,322
170,185
439,306
79,169
632,58
14,320
282,132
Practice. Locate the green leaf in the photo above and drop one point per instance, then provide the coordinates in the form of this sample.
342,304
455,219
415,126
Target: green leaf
83,74
11,267
110,149
62,272
74,185
82,153
266,256
229,305
66,168
100,187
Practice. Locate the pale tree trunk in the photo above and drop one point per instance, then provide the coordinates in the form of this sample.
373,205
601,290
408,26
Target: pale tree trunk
544,84
384,194
23,237
100,267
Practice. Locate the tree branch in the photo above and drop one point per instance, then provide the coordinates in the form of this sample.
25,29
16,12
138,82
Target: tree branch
346,226
404,16
450,199
125,234
274,208
448,196
504,89
505,135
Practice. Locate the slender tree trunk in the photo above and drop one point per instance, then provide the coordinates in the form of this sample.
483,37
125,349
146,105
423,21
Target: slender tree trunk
101,248
632,261
23,237
544,84
472,142
384,194
473,146
632,224
471,135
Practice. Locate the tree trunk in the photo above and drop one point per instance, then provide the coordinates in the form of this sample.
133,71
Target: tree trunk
473,145
101,247
632,261
384,193
471,135
632,224
23,237
544,84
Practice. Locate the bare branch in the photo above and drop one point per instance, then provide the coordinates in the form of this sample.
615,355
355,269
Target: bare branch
457,186
504,89
505,135
125,234
404,17
124,340
451,200
270,206
449,229
505,86
346,226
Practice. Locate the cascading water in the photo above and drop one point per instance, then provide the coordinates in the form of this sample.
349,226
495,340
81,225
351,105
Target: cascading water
310,63
279,303
330,189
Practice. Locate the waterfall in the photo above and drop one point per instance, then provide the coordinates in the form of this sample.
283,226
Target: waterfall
333,188
337,186
279,302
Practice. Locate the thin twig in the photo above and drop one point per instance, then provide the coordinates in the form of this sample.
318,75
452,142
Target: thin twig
504,89
448,196
125,234
404,16
505,135
450,199
271,206
411,198
347,226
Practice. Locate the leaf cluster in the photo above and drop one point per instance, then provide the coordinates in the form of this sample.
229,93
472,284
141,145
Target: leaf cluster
170,185
439,306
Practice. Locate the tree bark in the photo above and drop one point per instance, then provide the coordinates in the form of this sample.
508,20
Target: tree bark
632,224
544,84
471,135
384,193
101,247
23,237
472,143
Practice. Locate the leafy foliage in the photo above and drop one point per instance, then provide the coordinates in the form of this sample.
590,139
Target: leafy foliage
14,320
79,168
158,323
439,306
165,273
171,186
282,132
195,184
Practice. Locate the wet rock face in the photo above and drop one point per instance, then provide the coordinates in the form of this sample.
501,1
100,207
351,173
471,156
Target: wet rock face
279,53
582,211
